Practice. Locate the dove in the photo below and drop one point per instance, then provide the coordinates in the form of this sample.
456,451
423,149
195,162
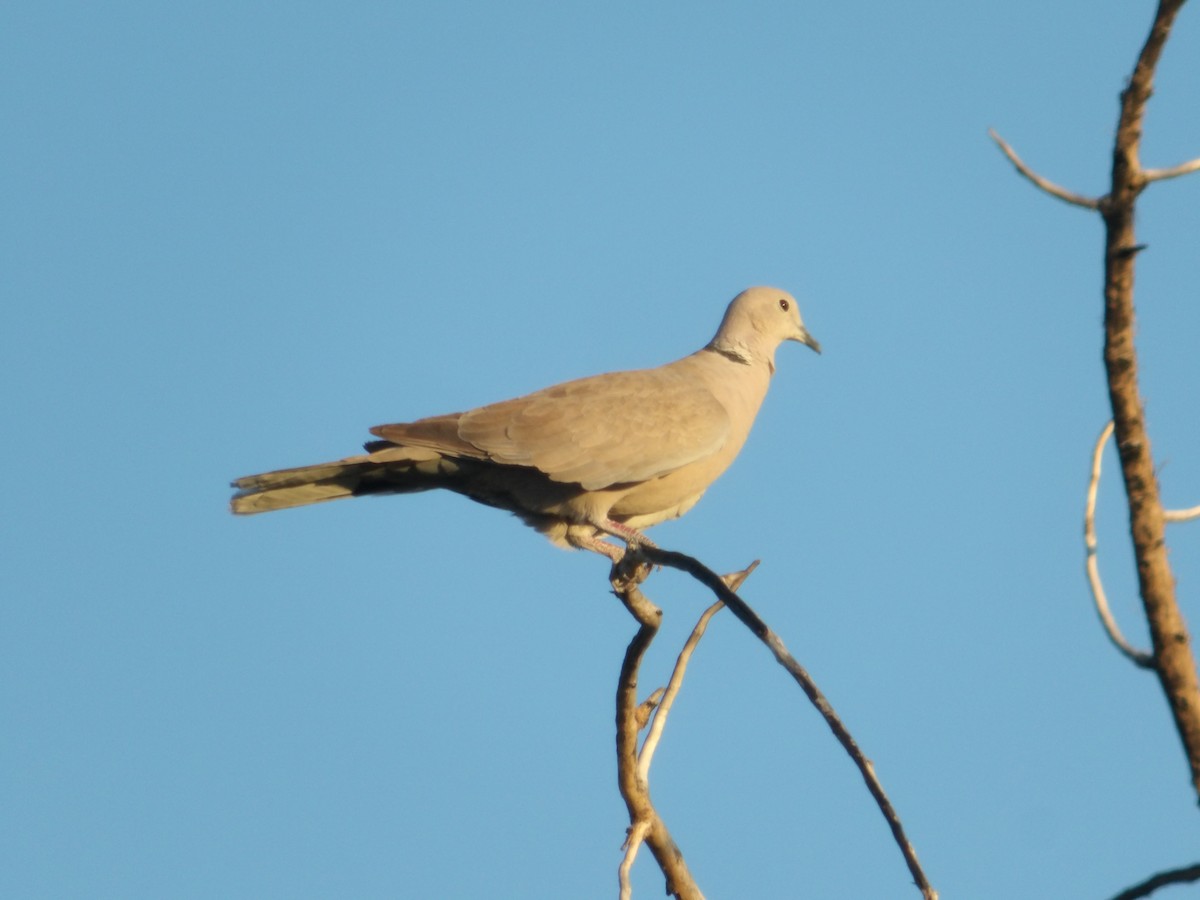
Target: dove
599,457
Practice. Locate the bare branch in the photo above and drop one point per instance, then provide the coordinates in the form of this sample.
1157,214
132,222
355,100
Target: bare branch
633,771
637,834
751,620
1137,657
1174,662
668,698
627,575
1183,875
1171,658
1181,515
1046,185
1174,172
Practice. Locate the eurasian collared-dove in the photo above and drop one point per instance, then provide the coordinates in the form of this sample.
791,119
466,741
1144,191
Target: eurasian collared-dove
607,455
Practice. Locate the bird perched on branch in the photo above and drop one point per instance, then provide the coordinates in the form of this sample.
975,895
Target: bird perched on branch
603,456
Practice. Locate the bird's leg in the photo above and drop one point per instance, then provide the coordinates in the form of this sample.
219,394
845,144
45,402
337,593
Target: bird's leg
597,545
630,536
587,537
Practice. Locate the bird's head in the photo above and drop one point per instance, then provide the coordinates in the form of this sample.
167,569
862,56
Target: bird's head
757,321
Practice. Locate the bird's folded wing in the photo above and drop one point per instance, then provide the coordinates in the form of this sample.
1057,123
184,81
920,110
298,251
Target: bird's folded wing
610,429
618,428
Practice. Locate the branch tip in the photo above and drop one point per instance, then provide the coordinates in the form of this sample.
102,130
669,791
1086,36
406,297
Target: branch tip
751,620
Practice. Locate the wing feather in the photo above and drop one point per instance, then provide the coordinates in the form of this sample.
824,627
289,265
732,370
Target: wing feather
610,429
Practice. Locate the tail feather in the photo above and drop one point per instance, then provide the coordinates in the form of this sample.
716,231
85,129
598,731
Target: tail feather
284,478
268,499
390,469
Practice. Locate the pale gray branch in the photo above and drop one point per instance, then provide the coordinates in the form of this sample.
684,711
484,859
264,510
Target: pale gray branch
1137,657
1181,515
637,834
1046,185
668,698
1186,168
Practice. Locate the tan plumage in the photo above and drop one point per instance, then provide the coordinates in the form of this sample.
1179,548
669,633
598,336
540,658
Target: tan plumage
611,454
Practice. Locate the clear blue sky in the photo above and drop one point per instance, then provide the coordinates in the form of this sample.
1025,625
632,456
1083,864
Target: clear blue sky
236,235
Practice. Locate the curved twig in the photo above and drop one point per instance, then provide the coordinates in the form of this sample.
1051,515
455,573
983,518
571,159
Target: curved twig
1182,875
751,620
1137,657
650,744
1046,185
1181,515
666,698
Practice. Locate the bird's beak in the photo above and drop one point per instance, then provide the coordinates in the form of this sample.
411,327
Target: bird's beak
805,338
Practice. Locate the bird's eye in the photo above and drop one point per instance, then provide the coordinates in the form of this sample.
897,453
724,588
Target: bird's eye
783,304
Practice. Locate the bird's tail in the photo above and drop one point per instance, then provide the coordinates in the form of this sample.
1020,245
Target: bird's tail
389,469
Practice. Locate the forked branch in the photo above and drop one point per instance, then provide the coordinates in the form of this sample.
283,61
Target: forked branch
751,620
644,822
1173,661
1145,176
633,773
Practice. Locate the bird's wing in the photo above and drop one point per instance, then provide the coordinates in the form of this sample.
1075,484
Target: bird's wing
617,428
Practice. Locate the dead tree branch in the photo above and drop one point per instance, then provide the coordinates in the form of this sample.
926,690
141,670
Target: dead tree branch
659,706
1181,515
1044,184
1174,172
644,822
751,620
663,710
1173,661
1138,657
1184,875
633,842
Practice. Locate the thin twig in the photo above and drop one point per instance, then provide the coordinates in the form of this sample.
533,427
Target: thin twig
1186,168
1137,657
1046,185
637,833
1182,875
751,620
668,699
1181,515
